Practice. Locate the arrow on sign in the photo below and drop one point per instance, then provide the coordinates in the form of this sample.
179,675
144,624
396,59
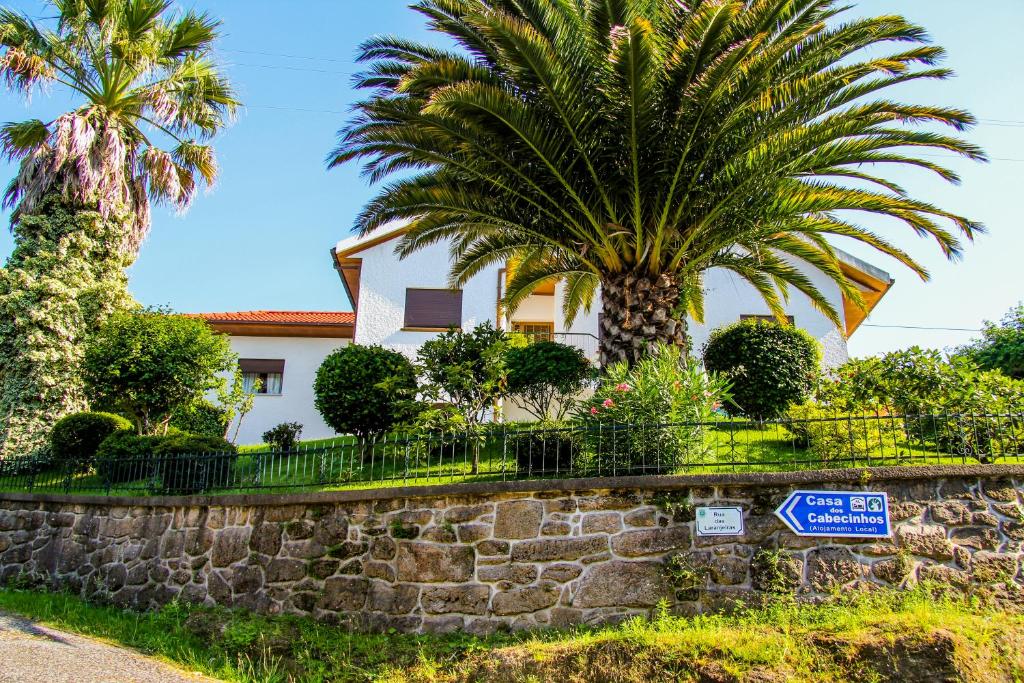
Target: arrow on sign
851,514
787,515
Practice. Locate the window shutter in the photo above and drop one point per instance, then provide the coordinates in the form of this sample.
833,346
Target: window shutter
260,365
437,308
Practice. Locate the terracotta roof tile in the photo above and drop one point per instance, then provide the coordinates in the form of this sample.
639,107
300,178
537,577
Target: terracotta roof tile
281,317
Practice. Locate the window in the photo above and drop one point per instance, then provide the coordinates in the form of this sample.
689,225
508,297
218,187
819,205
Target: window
433,309
269,373
535,331
765,318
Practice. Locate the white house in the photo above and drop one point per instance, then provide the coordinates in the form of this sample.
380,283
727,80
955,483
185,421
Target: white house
400,303
283,349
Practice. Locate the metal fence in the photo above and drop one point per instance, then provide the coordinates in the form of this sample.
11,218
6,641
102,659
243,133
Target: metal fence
515,451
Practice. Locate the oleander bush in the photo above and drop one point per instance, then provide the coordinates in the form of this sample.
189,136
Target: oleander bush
76,438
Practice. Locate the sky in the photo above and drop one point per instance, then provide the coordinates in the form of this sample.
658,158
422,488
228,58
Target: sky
261,238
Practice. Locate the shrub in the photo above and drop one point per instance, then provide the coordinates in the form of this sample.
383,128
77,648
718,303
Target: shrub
187,463
771,366
76,438
147,364
126,456
840,440
949,405
201,417
547,374
1001,346
284,436
365,390
650,418
544,447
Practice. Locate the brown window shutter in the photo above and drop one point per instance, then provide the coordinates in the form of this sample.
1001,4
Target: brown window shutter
438,308
261,365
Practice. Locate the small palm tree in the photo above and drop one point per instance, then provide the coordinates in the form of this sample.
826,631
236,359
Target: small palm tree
636,144
143,78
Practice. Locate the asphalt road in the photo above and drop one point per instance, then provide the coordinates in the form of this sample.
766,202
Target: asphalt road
30,653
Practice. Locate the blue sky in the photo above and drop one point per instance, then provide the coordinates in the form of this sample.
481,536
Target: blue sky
261,238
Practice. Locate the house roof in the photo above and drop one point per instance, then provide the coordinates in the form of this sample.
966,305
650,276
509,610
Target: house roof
873,282
336,324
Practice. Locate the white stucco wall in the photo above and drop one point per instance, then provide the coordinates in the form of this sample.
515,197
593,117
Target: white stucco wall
302,357
384,279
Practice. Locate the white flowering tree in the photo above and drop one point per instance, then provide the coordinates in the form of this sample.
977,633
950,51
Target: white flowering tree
150,98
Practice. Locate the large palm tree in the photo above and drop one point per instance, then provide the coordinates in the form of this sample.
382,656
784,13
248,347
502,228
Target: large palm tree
635,144
149,97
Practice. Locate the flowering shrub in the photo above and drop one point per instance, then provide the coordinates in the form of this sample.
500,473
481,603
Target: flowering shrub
648,418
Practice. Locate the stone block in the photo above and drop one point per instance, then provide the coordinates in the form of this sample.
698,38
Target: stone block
322,567
620,583
516,519
828,568
466,513
925,541
470,599
551,549
266,539
643,517
331,529
513,573
893,571
979,538
428,563
1001,490
602,523
728,571
379,570
282,570
231,545
651,541
951,513
561,573
246,580
556,528
400,599
492,548
471,533
523,600
383,548
612,501
344,594
991,567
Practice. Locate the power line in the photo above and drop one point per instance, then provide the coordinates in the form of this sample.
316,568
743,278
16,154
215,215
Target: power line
278,54
922,327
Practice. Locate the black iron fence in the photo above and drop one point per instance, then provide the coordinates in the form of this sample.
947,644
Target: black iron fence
516,451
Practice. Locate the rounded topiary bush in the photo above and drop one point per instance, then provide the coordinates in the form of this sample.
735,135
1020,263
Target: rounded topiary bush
201,417
76,438
365,390
192,463
771,366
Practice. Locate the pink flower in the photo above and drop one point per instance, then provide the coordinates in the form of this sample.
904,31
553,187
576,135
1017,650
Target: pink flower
675,385
716,405
593,411
623,387
694,398
608,403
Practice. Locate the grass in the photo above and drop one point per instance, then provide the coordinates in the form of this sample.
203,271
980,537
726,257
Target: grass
914,636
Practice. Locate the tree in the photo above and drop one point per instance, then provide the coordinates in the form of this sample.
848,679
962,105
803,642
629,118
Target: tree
140,76
146,365
771,366
1001,346
365,390
636,144
546,375
467,370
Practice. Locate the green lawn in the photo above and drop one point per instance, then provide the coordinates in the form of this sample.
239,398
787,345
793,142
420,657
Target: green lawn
337,464
913,637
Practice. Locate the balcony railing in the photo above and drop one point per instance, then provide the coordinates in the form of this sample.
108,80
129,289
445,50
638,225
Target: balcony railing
585,342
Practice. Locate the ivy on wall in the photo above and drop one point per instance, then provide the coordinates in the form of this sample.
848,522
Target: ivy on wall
65,276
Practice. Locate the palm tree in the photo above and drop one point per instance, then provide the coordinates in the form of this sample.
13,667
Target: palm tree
149,98
635,144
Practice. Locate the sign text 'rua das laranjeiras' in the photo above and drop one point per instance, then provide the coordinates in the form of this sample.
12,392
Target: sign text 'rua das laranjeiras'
855,514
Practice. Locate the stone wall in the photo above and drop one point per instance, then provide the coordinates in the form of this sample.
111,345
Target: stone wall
486,556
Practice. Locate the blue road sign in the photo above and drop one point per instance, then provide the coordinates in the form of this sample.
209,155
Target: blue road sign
860,514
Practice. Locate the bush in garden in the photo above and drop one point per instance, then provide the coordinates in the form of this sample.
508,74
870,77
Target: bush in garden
544,447
201,417
145,365
771,366
188,463
844,440
283,437
950,405
126,456
76,438
546,375
650,417
1001,346
365,390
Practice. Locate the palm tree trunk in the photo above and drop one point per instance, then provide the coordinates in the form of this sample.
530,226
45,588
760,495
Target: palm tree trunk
638,313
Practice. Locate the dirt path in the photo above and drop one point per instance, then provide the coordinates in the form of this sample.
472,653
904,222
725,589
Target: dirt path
30,653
